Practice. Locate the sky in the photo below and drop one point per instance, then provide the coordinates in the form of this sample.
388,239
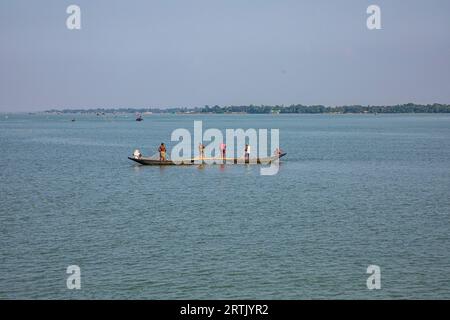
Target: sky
187,53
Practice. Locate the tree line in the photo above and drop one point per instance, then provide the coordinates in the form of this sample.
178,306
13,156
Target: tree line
265,109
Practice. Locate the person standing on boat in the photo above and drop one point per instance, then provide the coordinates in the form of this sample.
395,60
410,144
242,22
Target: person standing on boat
247,152
162,152
201,150
223,150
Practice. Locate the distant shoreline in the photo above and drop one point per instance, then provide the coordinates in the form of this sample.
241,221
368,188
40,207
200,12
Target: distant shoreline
263,109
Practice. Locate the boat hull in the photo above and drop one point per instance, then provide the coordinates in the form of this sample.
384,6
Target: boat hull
152,162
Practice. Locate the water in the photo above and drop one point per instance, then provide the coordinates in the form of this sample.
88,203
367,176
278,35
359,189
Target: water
354,190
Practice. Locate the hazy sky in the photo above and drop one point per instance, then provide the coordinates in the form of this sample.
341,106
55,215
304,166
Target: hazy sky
158,53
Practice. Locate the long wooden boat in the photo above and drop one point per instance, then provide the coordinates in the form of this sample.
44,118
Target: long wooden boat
196,161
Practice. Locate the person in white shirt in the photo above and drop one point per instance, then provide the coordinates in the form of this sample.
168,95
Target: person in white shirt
137,154
247,152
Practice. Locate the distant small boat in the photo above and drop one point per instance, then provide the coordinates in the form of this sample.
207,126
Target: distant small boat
139,117
73,120
156,162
